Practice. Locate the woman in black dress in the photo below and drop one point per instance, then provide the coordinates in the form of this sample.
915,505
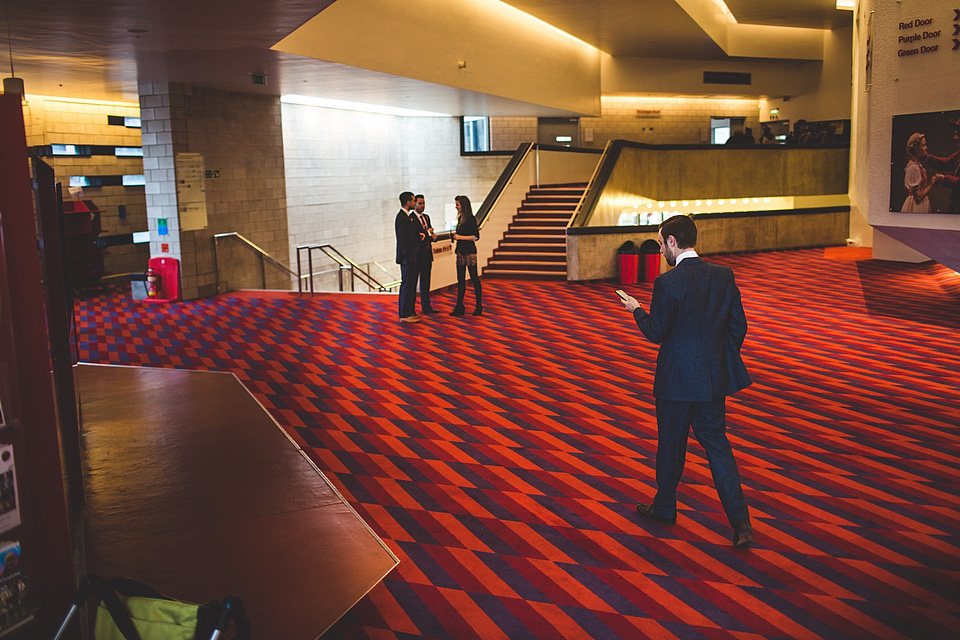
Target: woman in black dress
466,235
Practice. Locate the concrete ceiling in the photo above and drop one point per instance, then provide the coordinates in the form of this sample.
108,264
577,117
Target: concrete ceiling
100,49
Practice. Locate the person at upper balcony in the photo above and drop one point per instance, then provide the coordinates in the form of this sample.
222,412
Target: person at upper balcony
766,135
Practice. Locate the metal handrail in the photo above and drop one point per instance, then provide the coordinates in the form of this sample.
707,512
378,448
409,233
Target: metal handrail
263,255
346,267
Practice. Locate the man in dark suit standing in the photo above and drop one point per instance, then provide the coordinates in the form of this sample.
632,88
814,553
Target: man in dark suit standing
697,319
424,252
408,241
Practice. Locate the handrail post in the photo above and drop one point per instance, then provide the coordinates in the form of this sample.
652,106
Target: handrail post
216,263
299,274
310,267
263,273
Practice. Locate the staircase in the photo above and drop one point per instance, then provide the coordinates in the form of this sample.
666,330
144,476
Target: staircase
535,243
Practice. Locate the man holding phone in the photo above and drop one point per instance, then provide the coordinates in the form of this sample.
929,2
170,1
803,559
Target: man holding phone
697,318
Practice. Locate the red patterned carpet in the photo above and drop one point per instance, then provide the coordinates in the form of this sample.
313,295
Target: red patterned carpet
501,456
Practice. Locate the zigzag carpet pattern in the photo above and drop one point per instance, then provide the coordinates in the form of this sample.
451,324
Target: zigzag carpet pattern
501,456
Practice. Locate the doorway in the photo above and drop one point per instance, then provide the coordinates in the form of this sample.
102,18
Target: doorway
558,131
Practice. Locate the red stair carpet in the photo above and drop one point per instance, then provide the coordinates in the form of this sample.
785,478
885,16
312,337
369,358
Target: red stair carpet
501,456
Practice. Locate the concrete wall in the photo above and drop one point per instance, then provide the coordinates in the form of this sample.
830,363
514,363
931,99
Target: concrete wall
718,172
346,169
239,137
594,256
648,119
829,96
893,85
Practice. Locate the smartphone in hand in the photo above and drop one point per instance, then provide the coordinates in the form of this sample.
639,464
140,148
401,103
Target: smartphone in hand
623,296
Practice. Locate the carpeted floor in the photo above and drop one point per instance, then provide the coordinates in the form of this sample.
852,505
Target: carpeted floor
501,456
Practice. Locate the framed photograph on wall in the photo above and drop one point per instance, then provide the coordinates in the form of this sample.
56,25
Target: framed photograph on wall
924,163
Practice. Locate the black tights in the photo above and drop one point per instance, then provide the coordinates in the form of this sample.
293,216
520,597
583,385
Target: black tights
462,283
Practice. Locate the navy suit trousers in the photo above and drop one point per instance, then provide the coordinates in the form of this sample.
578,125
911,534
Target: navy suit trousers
708,419
409,272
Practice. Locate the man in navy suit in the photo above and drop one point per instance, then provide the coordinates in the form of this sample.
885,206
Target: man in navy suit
409,235
424,252
697,319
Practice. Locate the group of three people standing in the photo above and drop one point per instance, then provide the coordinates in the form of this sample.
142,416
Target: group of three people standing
415,238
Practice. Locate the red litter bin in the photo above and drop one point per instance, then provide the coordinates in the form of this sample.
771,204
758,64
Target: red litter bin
650,255
628,263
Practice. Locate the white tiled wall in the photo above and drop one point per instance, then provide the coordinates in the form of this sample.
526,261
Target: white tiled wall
665,121
345,171
682,120
509,133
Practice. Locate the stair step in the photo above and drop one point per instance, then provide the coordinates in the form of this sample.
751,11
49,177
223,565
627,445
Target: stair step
499,255
530,236
524,275
551,199
523,224
546,206
557,247
561,185
511,265
537,227
538,213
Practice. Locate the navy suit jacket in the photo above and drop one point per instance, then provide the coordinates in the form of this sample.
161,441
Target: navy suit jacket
426,245
408,237
697,319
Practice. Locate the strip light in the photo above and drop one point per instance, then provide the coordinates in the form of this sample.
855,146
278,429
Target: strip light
292,98
110,103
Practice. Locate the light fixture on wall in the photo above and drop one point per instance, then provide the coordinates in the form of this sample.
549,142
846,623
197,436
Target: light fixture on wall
11,84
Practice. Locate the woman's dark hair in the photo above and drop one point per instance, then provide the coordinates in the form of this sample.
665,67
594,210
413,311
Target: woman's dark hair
465,209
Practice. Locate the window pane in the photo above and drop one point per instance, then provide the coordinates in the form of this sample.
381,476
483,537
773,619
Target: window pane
476,134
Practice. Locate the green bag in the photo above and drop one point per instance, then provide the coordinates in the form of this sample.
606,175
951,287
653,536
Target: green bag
131,610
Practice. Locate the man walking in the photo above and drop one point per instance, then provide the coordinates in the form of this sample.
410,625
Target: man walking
424,253
697,319
408,239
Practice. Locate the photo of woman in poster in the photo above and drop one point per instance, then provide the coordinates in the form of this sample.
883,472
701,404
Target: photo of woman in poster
915,176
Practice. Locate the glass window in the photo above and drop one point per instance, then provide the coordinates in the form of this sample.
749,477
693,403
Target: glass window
476,134
719,130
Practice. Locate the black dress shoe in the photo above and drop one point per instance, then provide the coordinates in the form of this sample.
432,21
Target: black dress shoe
478,311
742,534
457,311
429,311
646,510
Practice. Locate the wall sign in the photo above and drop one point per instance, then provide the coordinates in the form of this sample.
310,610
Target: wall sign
928,32
191,192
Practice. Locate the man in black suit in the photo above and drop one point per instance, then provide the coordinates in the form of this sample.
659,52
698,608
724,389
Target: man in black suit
408,241
424,252
697,319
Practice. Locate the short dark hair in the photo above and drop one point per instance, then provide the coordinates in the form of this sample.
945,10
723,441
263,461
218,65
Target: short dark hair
683,230
418,196
405,197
